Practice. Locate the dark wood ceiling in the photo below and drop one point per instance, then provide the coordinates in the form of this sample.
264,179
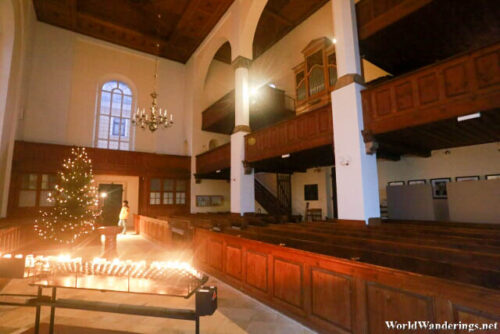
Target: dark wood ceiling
181,27
278,19
436,31
449,133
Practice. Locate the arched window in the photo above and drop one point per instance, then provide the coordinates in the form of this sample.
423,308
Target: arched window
113,129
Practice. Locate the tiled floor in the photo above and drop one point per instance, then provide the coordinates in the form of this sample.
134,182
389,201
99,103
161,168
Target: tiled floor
236,313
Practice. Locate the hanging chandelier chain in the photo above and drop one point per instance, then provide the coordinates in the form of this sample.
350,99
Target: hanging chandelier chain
157,117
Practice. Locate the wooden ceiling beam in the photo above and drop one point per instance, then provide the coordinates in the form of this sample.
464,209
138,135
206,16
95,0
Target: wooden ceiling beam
278,16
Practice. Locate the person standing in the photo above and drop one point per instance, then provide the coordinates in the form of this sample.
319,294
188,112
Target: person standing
123,217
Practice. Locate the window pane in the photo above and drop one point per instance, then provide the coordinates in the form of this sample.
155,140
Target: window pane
27,198
180,185
168,185
103,127
105,103
113,145
124,145
116,105
45,181
124,88
154,198
127,106
29,181
109,85
44,199
180,198
118,127
155,185
168,198
102,144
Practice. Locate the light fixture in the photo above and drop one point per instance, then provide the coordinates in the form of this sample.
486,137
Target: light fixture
272,85
467,117
104,195
156,117
334,40
284,156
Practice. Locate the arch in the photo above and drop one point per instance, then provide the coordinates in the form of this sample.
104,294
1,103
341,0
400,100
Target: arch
113,122
249,23
208,55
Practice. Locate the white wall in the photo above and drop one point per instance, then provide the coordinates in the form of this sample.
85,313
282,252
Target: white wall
213,187
461,161
130,193
319,176
67,72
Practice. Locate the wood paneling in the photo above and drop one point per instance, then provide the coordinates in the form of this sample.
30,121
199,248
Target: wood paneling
183,25
390,304
210,162
270,105
375,15
390,31
333,295
48,158
234,259
471,317
303,132
327,286
215,255
465,84
288,282
256,270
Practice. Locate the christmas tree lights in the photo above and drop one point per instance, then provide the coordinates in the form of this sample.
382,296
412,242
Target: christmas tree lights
75,201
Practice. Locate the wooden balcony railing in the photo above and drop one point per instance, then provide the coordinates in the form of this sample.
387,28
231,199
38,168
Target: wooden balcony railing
461,85
303,132
375,15
217,159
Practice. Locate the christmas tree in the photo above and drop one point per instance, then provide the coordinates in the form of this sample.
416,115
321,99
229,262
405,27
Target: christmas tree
75,200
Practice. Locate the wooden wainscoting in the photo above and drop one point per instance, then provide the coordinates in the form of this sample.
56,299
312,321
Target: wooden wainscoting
217,159
461,85
334,295
304,132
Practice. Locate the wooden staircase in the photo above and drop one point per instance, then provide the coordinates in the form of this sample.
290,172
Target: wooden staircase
270,202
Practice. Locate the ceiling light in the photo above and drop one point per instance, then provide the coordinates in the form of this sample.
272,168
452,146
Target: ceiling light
272,85
218,171
334,40
284,156
467,117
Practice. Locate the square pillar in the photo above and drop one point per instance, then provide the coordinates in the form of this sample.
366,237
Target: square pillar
356,171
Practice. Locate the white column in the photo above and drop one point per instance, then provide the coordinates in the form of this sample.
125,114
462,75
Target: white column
242,184
357,178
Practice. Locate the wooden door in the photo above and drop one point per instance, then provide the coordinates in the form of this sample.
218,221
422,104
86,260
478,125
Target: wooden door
111,203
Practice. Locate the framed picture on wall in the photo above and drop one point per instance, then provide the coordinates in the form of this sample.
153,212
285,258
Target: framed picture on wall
310,192
396,183
439,188
492,177
467,178
412,182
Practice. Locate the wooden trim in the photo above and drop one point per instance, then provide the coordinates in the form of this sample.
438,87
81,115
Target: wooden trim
344,289
348,79
242,128
461,85
369,23
241,61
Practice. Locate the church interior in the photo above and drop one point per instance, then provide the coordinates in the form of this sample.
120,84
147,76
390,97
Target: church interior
249,166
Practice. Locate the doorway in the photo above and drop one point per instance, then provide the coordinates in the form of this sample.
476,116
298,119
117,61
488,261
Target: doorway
334,193
284,182
111,203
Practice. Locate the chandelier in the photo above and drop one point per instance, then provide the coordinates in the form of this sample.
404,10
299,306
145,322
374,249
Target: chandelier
156,117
